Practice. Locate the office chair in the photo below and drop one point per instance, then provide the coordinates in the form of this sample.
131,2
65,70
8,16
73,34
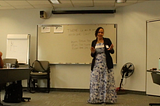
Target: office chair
13,61
41,70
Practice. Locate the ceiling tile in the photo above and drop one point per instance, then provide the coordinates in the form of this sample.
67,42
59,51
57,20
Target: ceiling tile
18,3
6,7
13,0
131,0
42,6
104,3
39,2
36,0
78,3
24,7
64,4
2,3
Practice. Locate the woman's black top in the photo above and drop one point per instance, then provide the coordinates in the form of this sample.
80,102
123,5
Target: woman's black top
109,61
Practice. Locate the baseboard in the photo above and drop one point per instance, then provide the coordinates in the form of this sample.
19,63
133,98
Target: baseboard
131,92
61,89
70,89
87,90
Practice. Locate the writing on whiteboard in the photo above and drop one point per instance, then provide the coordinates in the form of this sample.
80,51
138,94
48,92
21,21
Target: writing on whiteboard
80,32
80,44
13,46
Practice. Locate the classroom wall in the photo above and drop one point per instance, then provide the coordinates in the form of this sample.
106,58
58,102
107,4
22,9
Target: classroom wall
134,45
131,41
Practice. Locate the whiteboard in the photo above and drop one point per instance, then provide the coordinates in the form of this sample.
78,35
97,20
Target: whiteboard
18,47
70,44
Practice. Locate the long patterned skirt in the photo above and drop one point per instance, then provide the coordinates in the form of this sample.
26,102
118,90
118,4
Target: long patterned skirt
102,83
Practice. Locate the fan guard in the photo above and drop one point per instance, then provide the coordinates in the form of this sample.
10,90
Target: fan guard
127,70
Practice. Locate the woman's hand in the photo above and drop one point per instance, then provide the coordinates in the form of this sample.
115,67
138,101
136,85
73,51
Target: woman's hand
111,47
93,50
0,54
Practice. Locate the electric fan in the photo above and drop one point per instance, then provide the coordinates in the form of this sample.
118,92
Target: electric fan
126,71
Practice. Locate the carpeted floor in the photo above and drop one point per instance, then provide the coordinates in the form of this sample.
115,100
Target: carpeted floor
72,98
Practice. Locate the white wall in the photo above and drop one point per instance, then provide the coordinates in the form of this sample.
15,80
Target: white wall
134,45
131,41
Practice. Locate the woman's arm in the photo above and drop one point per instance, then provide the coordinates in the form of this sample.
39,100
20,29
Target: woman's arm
1,61
93,51
111,50
108,42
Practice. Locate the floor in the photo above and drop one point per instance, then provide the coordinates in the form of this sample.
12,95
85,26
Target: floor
75,98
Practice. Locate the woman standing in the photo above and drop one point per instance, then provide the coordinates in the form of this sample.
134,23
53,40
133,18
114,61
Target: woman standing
102,83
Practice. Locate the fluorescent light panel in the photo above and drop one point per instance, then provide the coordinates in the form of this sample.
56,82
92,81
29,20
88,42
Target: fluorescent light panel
121,1
54,1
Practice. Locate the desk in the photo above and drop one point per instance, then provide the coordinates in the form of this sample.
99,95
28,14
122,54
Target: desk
154,71
156,79
14,74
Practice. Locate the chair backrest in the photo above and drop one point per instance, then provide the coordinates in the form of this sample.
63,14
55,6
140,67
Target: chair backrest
10,60
41,66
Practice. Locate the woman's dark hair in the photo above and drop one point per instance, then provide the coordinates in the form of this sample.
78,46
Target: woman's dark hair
96,32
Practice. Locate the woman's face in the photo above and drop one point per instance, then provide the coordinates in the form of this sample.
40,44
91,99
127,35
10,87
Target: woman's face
100,33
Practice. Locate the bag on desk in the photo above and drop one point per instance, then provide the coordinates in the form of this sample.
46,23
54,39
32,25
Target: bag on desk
13,93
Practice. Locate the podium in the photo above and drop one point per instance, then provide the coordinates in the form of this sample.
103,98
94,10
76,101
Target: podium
156,79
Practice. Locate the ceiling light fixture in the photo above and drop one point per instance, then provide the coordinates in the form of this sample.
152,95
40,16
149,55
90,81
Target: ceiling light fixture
54,1
120,1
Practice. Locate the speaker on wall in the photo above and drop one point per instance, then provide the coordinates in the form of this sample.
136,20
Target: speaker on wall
43,14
